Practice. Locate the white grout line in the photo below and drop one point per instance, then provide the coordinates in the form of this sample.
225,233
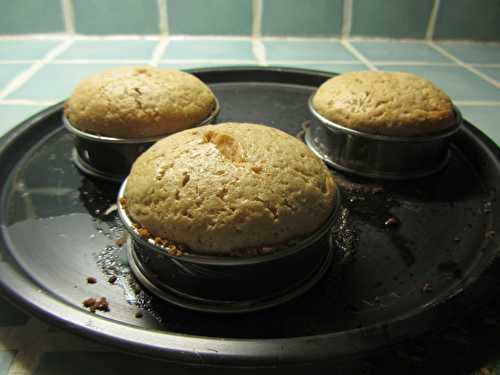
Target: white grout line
44,103
383,39
158,52
205,61
162,17
346,18
470,41
485,65
299,39
413,63
477,103
316,62
471,69
34,37
63,36
27,74
211,37
358,54
69,16
256,18
143,61
429,33
259,51
98,61
12,62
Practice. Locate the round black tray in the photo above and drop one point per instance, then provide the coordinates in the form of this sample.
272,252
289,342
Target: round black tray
58,227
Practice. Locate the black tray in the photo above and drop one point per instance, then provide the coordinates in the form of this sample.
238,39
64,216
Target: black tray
393,283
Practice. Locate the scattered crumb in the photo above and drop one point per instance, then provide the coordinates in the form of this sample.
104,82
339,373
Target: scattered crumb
89,302
93,304
143,232
91,280
121,241
112,279
138,314
123,202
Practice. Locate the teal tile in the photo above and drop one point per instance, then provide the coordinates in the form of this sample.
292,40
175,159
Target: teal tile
299,17
116,17
457,82
486,119
311,50
9,71
210,17
467,19
26,49
390,18
11,116
110,49
31,16
209,49
330,68
491,72
6,358
474,53
399,51
47,85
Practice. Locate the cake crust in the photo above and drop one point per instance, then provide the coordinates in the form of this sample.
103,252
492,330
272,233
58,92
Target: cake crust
139,102
218,189
386,103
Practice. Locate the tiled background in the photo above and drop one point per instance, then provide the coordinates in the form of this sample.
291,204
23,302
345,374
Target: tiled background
47,46
448,19
31,69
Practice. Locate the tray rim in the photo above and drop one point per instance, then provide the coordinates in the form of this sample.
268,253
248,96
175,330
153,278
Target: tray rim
209,351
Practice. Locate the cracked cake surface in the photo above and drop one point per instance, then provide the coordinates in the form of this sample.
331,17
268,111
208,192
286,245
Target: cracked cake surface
220,188
386,103
139,102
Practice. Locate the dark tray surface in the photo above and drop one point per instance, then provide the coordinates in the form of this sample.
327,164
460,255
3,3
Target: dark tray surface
57,230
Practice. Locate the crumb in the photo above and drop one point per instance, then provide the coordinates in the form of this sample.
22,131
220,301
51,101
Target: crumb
93,304
91,280
143,232
89,302
392,221
112,279
427,288
102,304
121,241
123,202
138,314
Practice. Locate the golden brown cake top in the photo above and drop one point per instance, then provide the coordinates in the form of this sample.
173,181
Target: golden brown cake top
387,103
138,102
221,188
